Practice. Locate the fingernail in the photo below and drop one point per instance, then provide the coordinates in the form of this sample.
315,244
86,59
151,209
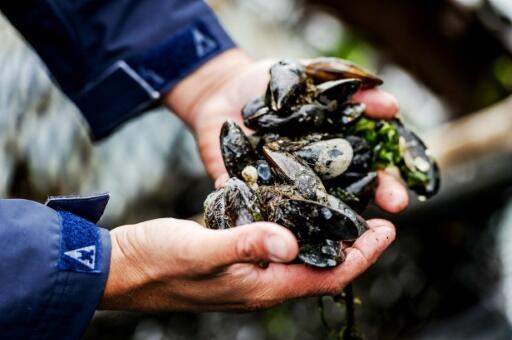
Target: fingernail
277,248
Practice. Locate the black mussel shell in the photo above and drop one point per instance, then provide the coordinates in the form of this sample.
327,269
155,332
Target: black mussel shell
364,189
287,82
313,222
324,254
338,91
363,155
345,116
252,107
306,117
236,149
417,159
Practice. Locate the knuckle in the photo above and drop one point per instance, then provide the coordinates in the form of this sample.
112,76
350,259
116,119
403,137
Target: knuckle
246,247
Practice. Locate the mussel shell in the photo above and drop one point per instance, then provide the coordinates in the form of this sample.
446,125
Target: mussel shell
313,222
242,205
236,149
290,170
324,254
416,157
328,158
306,117
287,81
327,69
338,91
252,107
364,189
349,213
360,166
363,155
214,211
345,116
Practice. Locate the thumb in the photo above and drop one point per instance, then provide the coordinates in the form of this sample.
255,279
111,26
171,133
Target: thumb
255,242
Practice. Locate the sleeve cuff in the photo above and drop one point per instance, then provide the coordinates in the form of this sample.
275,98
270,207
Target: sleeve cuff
82,267
133,85
80,289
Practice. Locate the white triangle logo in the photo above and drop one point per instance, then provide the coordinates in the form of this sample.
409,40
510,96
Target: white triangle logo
85,255
204,45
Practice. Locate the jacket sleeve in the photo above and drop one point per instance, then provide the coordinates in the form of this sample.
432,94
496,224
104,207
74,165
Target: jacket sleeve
53,265
115,59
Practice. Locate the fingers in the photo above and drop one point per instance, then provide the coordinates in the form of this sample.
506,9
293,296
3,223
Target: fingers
258,242
294,281
221,181
379,104
391,194
367,249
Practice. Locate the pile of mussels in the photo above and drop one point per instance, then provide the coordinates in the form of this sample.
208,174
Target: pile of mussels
310,165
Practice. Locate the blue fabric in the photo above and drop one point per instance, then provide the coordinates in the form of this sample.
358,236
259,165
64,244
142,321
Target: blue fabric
117,58
39,299
80,246
90,208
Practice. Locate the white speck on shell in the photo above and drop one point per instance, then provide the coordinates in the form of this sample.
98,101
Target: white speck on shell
250,174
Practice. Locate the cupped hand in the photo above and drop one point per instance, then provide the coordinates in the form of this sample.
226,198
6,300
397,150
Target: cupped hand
227,83
175,265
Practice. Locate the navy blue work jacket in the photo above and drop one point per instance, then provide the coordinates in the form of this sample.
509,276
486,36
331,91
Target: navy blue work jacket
114,59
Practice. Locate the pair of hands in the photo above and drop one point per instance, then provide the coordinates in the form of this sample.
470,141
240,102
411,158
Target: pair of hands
171,264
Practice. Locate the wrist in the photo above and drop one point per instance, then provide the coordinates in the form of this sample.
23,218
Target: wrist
188,97
126,276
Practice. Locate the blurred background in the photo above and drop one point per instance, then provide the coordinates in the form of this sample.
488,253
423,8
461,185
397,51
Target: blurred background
449,63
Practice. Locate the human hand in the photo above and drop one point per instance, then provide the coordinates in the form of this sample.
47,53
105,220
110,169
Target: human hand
176,265
218,91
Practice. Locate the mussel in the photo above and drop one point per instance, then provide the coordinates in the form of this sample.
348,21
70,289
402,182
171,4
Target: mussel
234,205
420,170
287,81
328,69
311,164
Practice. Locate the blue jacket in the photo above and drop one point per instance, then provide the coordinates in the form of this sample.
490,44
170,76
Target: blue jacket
114,59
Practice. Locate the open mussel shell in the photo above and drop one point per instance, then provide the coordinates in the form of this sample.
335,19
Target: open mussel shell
324,254
236,149
328,158
417,161
313,222
337,92
327,69
287,81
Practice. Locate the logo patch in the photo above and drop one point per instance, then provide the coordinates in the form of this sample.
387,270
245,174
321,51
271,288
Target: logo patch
84,255
80,247
203,44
